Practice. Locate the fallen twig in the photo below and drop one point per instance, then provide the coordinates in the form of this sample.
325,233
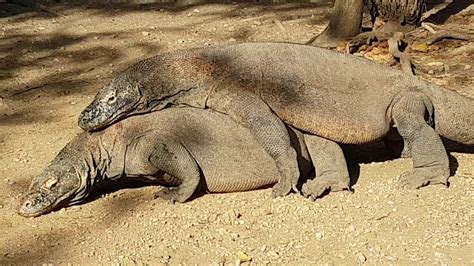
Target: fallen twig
445,35
50,11
468,48
428,26
28,89
279,25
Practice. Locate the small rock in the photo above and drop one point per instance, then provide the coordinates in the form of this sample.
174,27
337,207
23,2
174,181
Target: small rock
467,67
232,40
41,28
422,47
361,258
273,253
180,41
145,33
436,66
437,254
242,256
431,72
319,235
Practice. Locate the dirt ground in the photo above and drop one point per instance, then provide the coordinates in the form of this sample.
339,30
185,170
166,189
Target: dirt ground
52,63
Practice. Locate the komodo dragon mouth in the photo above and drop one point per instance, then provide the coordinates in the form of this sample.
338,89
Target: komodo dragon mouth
47,194
38,203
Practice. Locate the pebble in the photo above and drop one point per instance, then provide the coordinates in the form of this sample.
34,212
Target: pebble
467,67
180,41
243,257
146,33
319,235
437,66
361,258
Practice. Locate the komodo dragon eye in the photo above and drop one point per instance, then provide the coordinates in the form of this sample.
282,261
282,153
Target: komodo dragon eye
51,182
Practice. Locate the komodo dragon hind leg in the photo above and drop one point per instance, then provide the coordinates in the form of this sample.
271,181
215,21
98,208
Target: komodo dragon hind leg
252,112
430,160
330,166
151,154
394,142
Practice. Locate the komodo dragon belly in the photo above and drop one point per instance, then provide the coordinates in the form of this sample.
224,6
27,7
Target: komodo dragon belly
342,118
228,155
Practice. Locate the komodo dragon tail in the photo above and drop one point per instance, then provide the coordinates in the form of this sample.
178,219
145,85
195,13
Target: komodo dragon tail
453,115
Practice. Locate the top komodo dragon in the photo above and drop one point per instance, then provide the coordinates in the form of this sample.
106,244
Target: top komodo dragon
173,147
339,97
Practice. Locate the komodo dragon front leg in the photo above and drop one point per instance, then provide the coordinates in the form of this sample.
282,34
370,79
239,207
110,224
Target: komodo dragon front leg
430,160
330,167
150,155
252,112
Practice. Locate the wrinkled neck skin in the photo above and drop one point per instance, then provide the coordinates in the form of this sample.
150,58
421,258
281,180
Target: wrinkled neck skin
92,163
453,114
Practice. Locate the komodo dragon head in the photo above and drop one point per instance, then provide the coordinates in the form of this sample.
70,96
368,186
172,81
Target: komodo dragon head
137,90
55,187
114,101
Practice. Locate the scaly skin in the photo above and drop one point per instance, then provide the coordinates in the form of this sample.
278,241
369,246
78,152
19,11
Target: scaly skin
339,97
171,147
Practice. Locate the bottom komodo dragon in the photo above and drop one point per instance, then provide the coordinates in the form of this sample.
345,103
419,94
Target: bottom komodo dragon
175,147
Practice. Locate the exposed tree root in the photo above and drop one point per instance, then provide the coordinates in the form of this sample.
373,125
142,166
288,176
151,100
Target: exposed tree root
324,40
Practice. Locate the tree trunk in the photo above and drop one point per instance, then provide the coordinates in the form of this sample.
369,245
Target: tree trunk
345,21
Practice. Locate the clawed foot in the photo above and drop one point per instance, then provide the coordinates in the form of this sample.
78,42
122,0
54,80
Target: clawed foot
281,189
170,194
316,187
414,180
288,167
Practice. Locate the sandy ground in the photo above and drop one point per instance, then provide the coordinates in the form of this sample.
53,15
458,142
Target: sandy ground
52,63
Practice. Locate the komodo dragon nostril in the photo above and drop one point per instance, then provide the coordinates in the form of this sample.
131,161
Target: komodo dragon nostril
28,204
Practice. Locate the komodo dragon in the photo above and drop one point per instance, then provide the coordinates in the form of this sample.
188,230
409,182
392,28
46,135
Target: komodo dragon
174,147
339,97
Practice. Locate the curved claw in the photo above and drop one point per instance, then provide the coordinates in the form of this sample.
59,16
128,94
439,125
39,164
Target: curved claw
414,180
313,189
281,189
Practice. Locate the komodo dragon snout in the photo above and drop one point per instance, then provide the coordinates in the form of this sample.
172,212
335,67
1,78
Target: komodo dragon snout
47,192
